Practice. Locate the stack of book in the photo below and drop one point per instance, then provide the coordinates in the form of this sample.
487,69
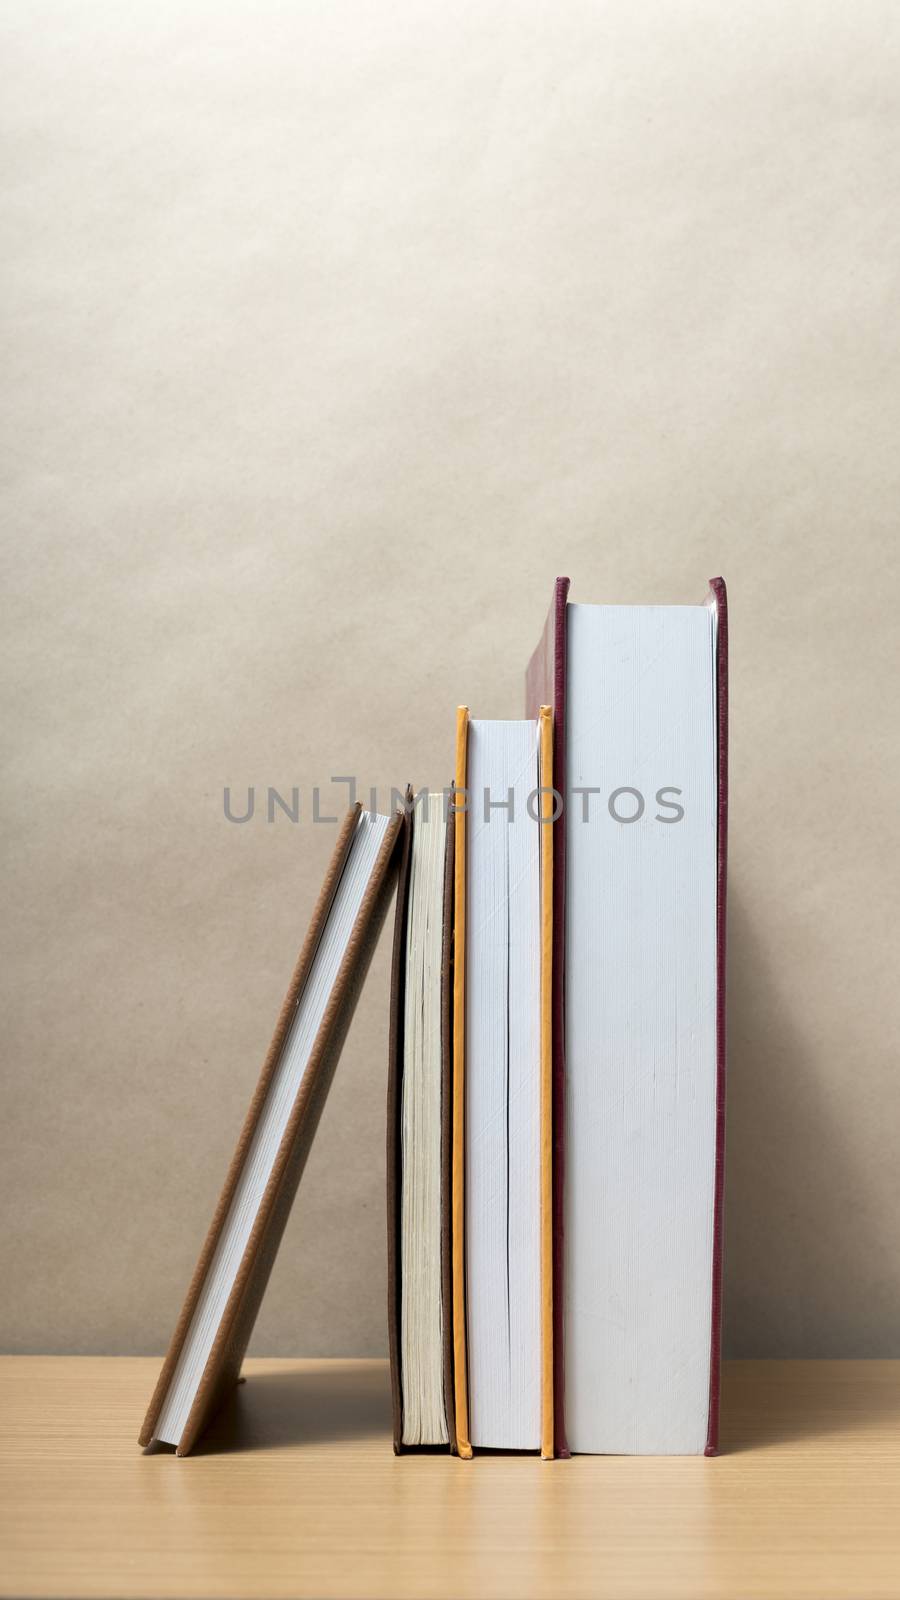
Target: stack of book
556,1079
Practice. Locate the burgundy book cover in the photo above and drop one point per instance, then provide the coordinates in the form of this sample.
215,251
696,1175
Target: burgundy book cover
545,685
719,600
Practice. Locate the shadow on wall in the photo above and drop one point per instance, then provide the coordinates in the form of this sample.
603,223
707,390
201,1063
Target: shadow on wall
806,1244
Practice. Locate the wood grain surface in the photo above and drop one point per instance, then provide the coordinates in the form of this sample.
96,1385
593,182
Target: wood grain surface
296,1492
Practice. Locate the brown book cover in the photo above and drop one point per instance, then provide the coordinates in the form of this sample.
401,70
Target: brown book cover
545,684
223,1364
394,1143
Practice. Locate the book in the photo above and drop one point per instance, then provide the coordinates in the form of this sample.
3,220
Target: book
211,1336
641,693
545,684
501,1137
419,1133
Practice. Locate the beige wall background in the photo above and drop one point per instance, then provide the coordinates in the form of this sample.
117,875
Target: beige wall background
333,334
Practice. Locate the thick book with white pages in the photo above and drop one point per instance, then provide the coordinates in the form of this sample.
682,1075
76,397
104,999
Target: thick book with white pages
646,735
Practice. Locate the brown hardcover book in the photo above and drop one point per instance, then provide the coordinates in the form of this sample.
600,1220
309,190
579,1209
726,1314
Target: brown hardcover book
545,684
395,1151
204,1358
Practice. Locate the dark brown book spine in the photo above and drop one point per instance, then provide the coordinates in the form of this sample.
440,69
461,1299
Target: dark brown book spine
447,1128
394,1110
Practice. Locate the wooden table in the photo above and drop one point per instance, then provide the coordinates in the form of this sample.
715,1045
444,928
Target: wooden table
297,1493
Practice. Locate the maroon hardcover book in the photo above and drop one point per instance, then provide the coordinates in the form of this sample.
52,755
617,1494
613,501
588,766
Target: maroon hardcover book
545,685
720,601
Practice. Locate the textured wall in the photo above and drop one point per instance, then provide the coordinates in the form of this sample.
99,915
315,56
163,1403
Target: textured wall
333,334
